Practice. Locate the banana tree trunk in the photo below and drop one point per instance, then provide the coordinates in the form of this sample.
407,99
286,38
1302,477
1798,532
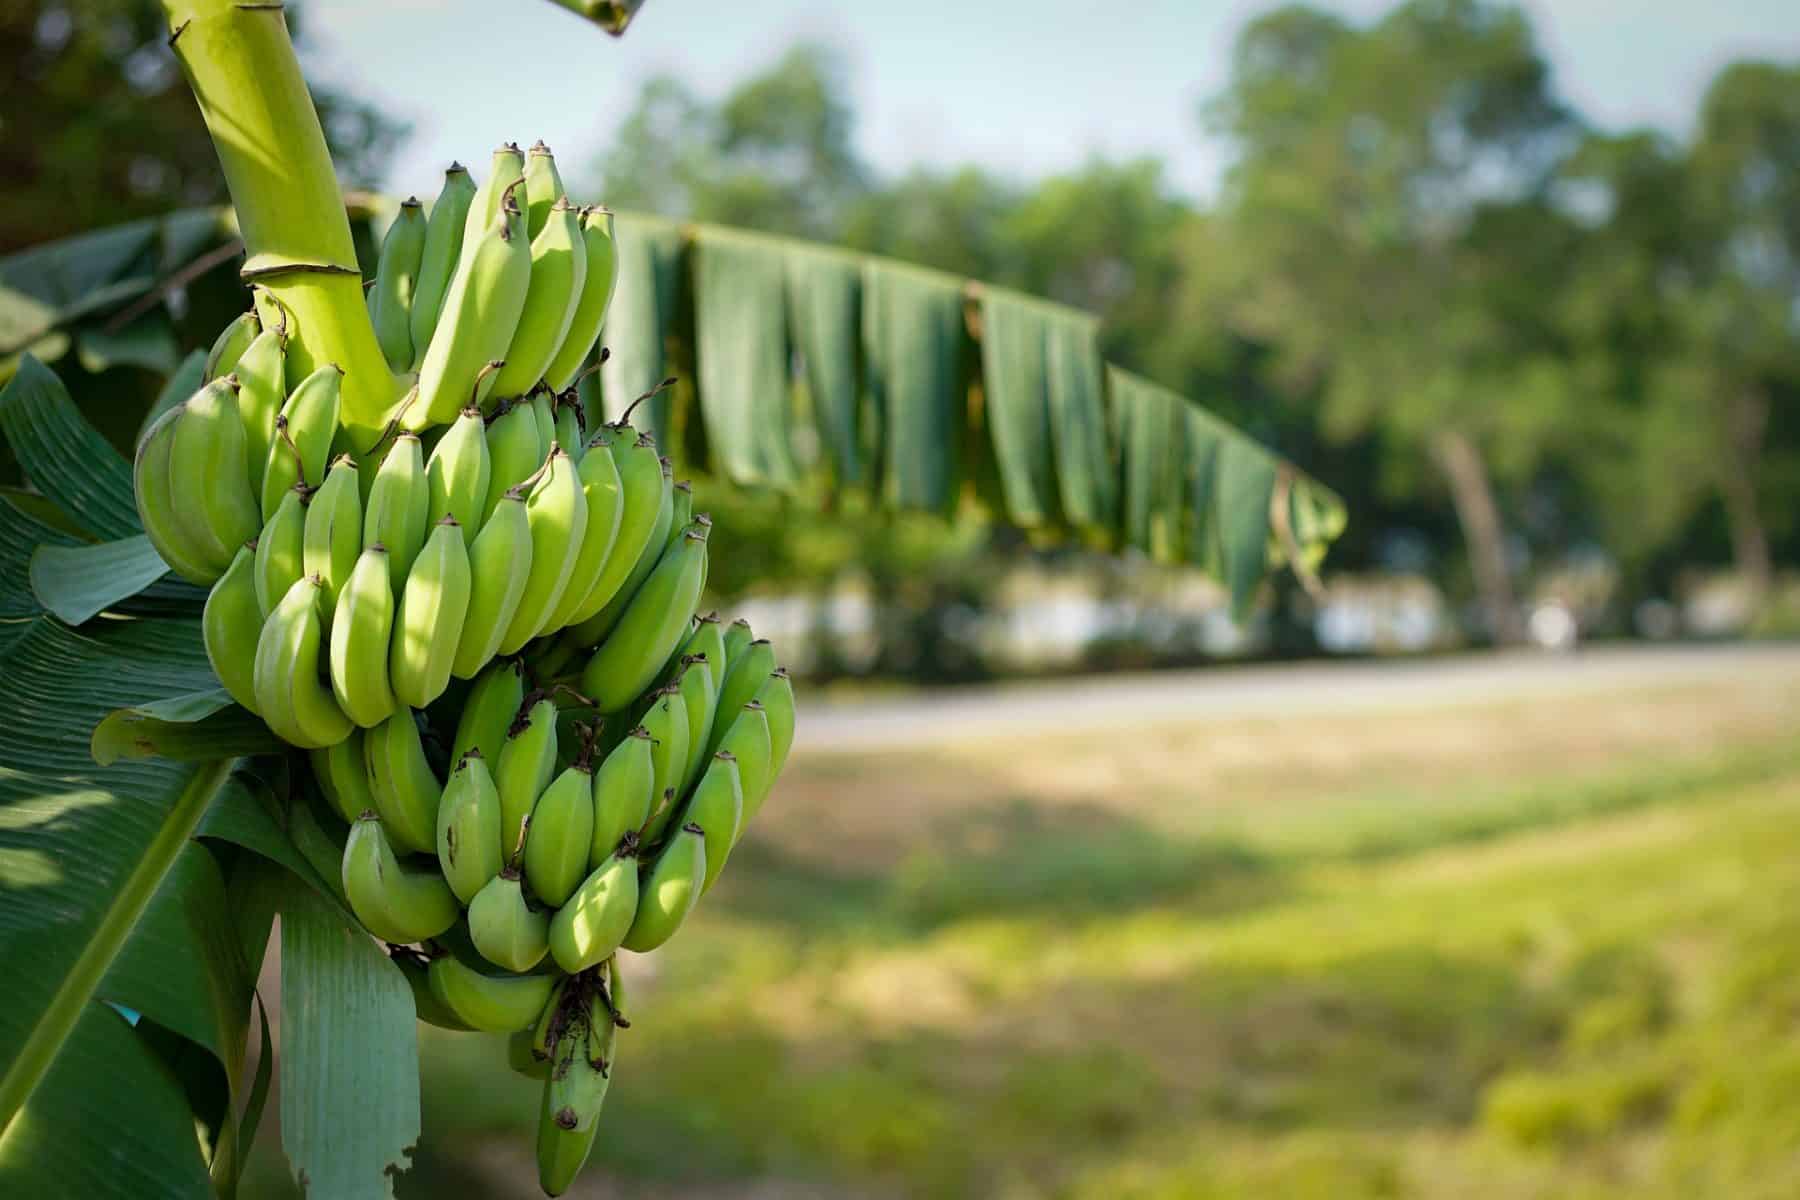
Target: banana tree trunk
1483,535
241,65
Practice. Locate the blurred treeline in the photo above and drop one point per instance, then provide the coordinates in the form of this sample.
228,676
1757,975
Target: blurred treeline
1511,340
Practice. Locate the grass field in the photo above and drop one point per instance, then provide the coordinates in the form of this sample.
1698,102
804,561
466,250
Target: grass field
1545,949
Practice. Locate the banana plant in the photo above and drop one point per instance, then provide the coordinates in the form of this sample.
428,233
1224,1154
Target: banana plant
151,829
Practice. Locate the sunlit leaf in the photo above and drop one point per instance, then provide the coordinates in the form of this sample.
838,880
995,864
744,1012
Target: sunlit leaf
63,456
77,583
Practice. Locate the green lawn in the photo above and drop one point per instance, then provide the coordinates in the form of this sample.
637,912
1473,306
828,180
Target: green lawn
1506,951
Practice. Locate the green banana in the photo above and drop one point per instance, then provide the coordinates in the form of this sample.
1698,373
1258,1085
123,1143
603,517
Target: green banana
580,1072
437,263
262,387
208,473
468,828
290,696
748,671
231,624
360,632
281,549
486,1002
668,891
556,512
666,720
514,452
407,793
489,710
343,775
737,638
543,186
558,267
429,618
520,1058
600,618
682,511
571,434
332,535
229,346
527,761
777,698
456,475
505,928
550,1022
592,923
590,309
426,1007
603,498
302,439
499,569
717,807
396,281
395,901
506,172
398,513
694,685
561,829
707,643
152,488
749,743
651,627
543,411
643,494
624,794
480,314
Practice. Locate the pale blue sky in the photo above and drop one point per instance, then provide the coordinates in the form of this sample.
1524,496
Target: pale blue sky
1024,87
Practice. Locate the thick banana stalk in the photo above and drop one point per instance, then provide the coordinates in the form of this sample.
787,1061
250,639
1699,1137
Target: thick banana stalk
437,262
360,632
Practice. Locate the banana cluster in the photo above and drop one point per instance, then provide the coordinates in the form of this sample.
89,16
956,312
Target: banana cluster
549,843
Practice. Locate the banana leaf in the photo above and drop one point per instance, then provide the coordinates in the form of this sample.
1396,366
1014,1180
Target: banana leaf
1015,383
639,321
913,338
740,336
824,295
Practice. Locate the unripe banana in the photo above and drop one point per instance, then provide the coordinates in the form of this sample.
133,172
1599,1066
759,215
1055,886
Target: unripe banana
303,433
322,850
426,1007
229,346
644,492
407,793
589,927
527,762
396,901
398,513
456,475
569,1114
290,696
262,389
152,486
396,281
590,309
594,628
777,698
749,743
499,568
506,930
603,499
281,550
717,807
737,639
332,537
624,794
486,1002
748,671
209,477
551,1021
514,451
707,642
543,411
666,720
557,515
570,433
468,828
342,773
520,1058
562,828
360,632
667,893
543,186
480,314
488,712
231,624
681,513
429,619
695,688
443,247
558,267
506,173
651,627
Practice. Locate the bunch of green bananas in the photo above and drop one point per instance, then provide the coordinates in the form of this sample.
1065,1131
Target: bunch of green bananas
483,629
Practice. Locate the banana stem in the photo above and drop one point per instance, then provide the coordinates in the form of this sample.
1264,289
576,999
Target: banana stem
241,65
65,1008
